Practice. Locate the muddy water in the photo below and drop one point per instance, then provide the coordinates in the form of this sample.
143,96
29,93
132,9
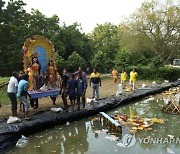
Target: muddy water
89,136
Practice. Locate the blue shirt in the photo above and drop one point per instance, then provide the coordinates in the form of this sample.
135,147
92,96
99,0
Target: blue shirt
22,88
81,85
72,85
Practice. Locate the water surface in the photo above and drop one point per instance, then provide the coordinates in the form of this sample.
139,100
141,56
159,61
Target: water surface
79,137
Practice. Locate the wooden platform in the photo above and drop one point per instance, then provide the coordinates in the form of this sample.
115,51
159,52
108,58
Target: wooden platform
172,108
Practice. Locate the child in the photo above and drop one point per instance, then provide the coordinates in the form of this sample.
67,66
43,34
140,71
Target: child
133,78
123,78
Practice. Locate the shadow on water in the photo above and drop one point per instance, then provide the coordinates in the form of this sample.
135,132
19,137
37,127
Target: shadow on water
80,136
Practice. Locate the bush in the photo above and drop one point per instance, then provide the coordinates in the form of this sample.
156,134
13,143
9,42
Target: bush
155,73
169,73
123,58
75,60
60,63
155,62
126,58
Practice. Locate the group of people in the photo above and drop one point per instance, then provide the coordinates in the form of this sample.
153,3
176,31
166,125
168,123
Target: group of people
75,84
72,85
18,90
123,77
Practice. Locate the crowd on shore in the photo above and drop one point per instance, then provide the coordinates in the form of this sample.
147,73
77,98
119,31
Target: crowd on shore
70,84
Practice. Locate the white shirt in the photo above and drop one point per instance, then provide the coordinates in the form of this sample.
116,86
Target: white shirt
12,86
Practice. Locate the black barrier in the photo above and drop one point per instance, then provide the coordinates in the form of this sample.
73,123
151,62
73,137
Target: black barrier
11,133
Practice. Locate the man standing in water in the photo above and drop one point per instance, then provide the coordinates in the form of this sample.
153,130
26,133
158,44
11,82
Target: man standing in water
96,82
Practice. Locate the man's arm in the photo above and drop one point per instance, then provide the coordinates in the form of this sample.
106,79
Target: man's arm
19,91
100,82
85,85
90,82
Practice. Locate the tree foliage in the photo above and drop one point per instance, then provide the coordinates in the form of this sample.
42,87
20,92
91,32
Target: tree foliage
105,39
12,32
75,60
101,61
160,25
151,36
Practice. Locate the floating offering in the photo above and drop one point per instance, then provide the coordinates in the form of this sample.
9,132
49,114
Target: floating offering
172,108
157,120
172,101
136,122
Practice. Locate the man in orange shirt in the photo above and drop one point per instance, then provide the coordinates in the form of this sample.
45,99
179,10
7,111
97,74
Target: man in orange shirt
114,75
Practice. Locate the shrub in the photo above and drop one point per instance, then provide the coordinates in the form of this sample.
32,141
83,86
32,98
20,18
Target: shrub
169,73
155,73
75,60
102,62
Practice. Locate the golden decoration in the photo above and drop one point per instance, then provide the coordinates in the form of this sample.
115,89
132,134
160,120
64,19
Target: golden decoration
31,43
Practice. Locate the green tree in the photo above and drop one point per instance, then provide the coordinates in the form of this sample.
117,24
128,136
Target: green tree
123,58
159,24
12,31
101,61
42,25
105,39
72,39
60,63
75,60
133,41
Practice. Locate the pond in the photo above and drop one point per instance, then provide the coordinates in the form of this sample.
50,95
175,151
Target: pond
89,136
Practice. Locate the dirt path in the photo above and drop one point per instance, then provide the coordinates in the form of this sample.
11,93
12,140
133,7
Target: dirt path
108,88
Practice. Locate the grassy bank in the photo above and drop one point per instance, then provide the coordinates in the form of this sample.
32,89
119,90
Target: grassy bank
4,80
108,88
4,100
145,74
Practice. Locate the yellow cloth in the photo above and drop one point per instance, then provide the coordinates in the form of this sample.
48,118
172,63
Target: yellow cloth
35,69
33,73
93,75
31,80
52,75
133,76
123,76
